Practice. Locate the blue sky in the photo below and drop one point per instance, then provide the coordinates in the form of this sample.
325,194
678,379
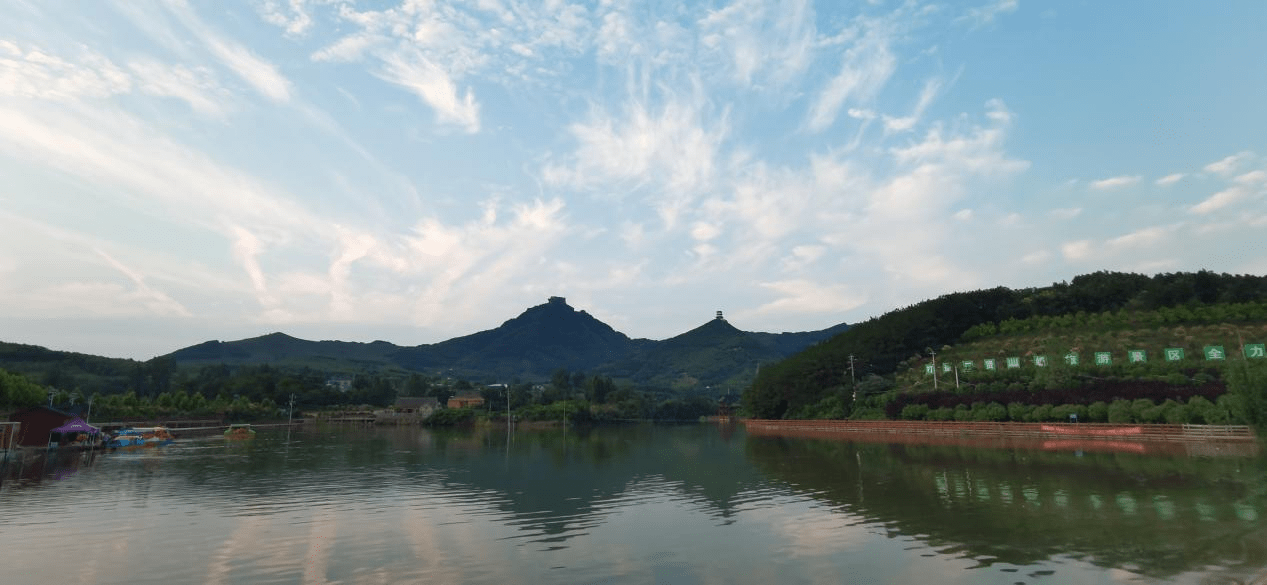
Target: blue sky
179,171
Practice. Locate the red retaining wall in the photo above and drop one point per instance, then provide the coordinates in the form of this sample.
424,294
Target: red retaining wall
1048,431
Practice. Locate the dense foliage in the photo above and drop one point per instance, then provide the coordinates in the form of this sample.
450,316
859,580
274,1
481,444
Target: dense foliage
883,344
16,391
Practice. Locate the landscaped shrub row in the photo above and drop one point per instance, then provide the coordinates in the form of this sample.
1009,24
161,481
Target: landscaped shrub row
1197,410
1096,391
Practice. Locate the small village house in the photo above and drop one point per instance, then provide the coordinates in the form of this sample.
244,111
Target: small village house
36,423
466,400
421,406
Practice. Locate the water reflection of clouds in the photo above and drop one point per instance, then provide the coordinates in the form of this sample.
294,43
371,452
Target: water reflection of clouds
322,533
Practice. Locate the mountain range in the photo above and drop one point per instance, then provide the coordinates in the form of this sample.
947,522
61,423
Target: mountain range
530,347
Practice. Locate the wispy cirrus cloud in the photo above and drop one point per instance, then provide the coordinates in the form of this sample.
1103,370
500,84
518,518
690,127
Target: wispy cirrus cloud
931,87
292,16
672,144
1170,179
767,44
251,68
986,14
866,66
433,85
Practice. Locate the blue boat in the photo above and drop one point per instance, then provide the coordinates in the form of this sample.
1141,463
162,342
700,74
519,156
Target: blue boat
140,437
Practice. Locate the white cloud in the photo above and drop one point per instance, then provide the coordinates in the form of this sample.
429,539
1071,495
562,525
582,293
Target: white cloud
350,48
703,231
803,256
1115,182
804,296
1143,237
760,41
866,67
1037,257
29,72
431,49
1066,213
963,214
983,15
925,99
1221,199
434,86
1252,178
293,17
1078,250
165,176
197,86
154,300
673,147
33,73
257,72
1228,165
1170,179
997,111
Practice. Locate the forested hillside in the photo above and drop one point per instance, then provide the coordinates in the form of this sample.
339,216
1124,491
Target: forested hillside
1033,320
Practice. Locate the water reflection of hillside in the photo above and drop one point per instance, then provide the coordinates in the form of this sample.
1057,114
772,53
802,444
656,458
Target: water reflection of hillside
551,484
1157,515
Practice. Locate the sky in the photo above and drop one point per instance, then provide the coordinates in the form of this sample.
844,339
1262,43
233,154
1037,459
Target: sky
175,171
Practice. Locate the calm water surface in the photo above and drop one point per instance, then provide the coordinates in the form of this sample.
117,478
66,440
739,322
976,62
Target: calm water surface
638,504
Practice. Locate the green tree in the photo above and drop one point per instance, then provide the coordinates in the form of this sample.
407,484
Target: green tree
1247,385
16,391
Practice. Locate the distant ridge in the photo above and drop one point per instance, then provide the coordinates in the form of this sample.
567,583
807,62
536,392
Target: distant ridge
280,347
530,347
534,344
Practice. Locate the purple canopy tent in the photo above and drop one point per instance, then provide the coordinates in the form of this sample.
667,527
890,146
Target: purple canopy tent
77,425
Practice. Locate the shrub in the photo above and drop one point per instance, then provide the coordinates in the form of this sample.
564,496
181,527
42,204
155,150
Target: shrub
1153,415
450,417
915,412
1120,412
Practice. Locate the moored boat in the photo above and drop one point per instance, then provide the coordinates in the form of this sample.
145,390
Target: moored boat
239,431
140,437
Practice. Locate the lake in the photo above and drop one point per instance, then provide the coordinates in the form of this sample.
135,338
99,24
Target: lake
629,504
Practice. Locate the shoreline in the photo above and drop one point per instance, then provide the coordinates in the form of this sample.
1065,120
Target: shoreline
1144,439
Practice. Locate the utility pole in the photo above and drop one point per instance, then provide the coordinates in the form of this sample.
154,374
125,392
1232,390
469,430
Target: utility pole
290,414
934,354
852,381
